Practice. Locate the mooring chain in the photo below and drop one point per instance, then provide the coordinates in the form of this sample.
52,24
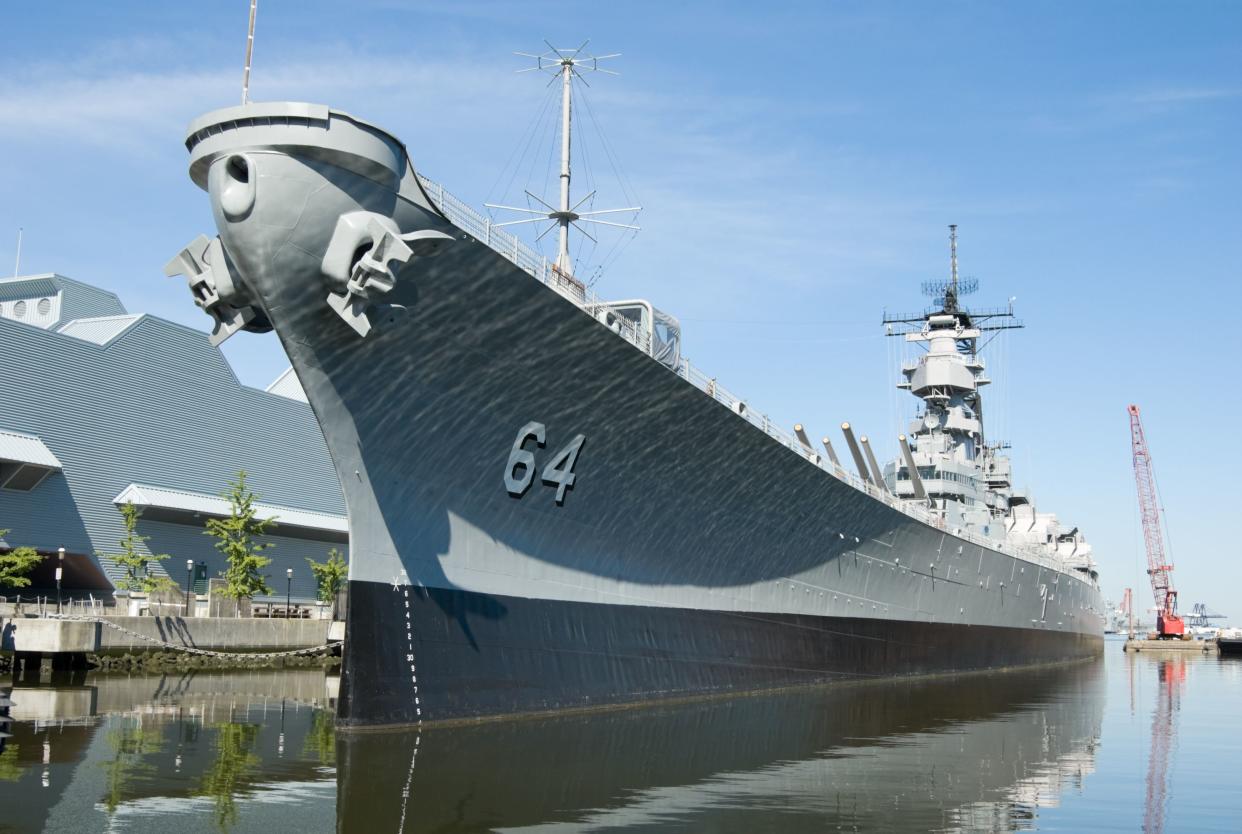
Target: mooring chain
194,650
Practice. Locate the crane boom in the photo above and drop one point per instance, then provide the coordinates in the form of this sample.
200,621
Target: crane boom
1159,570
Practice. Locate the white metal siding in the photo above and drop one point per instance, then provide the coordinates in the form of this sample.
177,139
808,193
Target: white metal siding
157,405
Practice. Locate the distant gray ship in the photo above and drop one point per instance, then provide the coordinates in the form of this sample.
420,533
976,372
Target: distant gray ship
550,508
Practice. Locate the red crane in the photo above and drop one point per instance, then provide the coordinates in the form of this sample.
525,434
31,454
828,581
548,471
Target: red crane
1172,674
1168,623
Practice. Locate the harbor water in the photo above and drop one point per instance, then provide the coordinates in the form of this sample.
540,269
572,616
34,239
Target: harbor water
1130,742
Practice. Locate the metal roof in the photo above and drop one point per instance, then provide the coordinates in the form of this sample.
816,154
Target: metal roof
183,505
99,329
287,385
16,447
27,286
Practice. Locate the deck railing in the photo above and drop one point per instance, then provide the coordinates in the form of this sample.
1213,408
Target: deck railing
538,267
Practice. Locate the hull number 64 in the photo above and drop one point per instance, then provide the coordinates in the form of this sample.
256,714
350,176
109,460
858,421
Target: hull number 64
558,471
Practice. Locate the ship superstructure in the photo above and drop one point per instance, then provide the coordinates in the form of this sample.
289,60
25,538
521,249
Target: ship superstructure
948,464
550,507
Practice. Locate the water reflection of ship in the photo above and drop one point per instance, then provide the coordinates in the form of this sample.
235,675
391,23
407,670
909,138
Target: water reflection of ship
82,753
937,754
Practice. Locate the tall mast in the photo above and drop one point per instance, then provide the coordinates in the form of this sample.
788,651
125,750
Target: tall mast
950,293
567,74
254,8
568,65
953,256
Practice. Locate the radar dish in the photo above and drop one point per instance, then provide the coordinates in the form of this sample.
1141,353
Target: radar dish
937,289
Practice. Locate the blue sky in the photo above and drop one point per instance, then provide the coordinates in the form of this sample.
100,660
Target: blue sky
797,165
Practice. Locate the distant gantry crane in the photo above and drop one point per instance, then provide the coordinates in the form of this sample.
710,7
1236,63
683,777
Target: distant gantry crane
1200,615
1159,569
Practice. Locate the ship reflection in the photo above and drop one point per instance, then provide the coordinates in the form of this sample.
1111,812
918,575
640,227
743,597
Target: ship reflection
981,752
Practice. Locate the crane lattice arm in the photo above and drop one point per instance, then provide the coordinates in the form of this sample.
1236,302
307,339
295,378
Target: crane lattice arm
1159,570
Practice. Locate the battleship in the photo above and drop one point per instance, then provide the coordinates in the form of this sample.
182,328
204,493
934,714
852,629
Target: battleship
550,508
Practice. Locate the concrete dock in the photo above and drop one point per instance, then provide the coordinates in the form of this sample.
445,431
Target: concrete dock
65,643
1141,644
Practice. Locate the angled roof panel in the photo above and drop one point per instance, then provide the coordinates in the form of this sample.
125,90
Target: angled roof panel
16,447
100,329
164,504
287,385
27,287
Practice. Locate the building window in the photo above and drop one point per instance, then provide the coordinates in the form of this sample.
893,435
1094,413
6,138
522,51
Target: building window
45,306
19,310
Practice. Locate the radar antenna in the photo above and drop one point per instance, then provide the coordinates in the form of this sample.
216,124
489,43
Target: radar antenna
950,290
566,65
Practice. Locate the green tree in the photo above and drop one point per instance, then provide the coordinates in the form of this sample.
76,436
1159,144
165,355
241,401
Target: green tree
136,564
330,576
237,539
10,770
15,564
133,745
320,740
233,770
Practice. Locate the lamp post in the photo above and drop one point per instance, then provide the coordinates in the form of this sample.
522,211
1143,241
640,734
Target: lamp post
60,569
189,583
288,589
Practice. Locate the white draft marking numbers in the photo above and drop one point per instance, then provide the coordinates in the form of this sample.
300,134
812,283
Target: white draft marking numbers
558,471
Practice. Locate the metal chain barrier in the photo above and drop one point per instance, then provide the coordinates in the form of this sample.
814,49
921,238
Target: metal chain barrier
194,650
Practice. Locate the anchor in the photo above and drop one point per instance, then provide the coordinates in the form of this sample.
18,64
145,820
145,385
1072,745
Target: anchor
211,281
366,276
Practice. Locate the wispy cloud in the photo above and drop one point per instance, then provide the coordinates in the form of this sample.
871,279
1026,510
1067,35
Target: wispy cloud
1115,108
1181,95
727,200
103,102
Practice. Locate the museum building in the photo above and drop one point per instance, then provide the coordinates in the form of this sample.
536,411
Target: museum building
102,407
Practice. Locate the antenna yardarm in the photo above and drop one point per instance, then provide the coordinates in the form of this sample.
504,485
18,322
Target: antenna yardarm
566,65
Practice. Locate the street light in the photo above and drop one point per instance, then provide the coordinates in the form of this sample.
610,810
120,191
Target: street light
189,583
60,569
288,589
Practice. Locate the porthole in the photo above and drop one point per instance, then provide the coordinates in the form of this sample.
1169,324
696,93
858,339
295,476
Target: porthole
44,306
19,310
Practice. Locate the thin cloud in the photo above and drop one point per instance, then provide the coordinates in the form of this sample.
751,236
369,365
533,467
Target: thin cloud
1183,95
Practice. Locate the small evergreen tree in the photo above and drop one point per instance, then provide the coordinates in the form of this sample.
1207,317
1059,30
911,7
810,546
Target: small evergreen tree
136,565
15,564
330,576
237,539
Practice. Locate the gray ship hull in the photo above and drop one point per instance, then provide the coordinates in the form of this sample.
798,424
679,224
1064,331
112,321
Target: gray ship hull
693,553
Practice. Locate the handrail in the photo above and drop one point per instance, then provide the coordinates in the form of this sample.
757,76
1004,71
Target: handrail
538,267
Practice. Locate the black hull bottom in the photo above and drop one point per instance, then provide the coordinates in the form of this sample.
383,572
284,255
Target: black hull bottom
418,654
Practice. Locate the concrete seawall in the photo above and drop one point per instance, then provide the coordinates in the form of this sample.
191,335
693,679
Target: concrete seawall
227,633
54,636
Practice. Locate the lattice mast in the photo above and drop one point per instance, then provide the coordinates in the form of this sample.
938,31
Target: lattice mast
566,65
1159,569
